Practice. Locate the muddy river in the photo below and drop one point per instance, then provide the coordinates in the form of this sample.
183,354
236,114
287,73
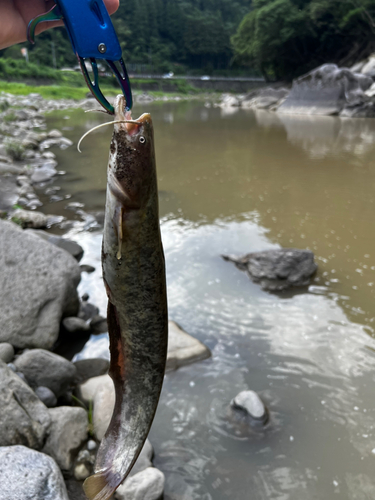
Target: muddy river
235,182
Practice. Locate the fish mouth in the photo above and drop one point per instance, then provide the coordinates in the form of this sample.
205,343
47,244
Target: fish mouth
132,127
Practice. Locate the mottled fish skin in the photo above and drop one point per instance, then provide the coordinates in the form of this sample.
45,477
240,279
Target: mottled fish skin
134,276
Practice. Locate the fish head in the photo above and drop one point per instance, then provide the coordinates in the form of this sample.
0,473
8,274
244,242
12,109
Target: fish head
132,158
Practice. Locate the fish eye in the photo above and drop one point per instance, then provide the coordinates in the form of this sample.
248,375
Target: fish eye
142,140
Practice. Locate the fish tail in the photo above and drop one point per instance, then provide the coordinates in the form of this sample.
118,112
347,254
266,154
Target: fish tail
101,485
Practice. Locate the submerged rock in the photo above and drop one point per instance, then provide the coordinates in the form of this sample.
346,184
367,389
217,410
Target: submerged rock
37,286
183,348
251,405
29,475
23,417
44,368
326,90
68,432
277,270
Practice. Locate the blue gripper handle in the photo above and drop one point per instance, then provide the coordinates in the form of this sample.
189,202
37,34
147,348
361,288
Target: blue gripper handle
90,29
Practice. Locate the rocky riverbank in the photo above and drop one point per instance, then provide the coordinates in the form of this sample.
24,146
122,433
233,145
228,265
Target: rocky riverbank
50,427
44,398
327,90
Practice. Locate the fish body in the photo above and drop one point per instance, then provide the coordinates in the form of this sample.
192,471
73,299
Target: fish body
134,277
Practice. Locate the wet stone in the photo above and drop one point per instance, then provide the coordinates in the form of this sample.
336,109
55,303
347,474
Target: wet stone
250,403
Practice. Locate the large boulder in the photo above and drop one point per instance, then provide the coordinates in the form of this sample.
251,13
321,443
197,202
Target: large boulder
29,475
46,369
23,417
279,269
326,90
67,434
37,287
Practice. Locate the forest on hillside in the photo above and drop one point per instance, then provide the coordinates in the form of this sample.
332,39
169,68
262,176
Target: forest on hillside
280,39
286,38
165,35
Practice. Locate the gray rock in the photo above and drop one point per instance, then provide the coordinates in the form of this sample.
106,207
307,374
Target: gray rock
326,90
43,174
44,368
23,417
75,325
250,403
68,245
12,367
183,349
21,376
26,218
365,82
65,143
37,286
229,101
87,310
6,352
9,168
67,433
46,396
277,270
89,368
264,98
146,485
29,475
99,324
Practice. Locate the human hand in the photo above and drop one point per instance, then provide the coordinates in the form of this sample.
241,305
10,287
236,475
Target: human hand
15,16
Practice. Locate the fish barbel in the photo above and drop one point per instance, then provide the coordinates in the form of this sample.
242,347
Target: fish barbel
134,277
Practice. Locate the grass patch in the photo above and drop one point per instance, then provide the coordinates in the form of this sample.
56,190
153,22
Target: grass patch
14,149
51,91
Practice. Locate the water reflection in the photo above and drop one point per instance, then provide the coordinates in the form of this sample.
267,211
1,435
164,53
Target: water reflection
243,183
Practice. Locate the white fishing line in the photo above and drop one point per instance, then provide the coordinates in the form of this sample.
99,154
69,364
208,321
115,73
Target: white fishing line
104,125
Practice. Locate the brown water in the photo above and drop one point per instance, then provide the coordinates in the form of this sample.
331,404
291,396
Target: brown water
234,183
